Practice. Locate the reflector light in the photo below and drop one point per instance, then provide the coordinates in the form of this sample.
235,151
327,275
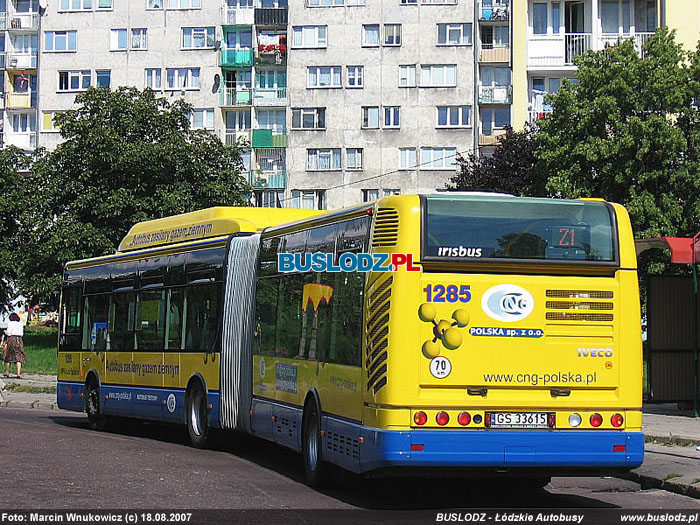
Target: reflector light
596,420
477,419
487,421
420,418
417,448
617,420
619,448
464,418
442,418
574,420
551,420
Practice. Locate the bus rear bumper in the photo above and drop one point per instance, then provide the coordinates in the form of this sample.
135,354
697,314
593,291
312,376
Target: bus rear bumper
507,449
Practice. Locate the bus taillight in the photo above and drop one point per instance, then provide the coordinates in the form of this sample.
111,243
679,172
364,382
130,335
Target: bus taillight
420,418
617,420
464,418
596,420
442,418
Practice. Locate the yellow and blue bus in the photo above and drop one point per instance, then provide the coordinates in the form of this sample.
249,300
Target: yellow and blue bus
511,344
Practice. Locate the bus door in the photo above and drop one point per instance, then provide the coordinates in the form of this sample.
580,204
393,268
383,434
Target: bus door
95,337
147,376
118,359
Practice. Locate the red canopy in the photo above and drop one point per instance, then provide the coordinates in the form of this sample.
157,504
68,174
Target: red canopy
682,251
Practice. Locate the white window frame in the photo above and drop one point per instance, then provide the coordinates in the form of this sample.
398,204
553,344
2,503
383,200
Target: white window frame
365,28
441,155
114,39
332,156
318,197
335,3
465,29
367,113
209,34
173,4
53,128
189,78
408,158
433,68
438,2
394,35
306,112
207,118
81,74
410,75
319,36
391,117
355,74
103,71
357,164
85,5
155,75
318,69
143,38
460,117
52,35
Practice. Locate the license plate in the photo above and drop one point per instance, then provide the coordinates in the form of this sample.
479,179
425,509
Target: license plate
519,420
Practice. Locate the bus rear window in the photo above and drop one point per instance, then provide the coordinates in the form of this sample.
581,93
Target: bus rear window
490,227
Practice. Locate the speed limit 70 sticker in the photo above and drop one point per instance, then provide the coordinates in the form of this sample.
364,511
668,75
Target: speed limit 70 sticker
440,367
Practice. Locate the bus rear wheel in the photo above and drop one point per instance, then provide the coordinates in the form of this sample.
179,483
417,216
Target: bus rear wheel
93,408
197,426
315,469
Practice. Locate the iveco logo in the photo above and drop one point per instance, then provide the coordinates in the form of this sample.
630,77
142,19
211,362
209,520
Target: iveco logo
507,302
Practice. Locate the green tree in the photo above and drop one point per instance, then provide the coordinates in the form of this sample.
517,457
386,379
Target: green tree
127,156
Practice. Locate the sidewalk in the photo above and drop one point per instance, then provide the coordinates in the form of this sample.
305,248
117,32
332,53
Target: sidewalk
31,399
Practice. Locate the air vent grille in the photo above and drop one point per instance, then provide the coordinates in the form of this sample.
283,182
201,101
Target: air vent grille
582,305
581,294
377,335
569,316
386,228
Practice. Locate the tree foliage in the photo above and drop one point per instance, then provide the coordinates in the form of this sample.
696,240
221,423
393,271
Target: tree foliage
127,156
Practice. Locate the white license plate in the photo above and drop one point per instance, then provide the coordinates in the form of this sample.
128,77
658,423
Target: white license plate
519,420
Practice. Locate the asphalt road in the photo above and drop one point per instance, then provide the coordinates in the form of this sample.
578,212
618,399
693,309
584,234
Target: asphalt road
52,460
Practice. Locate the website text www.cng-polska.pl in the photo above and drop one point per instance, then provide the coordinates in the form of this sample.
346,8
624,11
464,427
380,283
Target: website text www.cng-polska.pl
535,379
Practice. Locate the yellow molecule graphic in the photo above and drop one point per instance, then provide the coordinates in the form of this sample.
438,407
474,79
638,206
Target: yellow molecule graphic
444,331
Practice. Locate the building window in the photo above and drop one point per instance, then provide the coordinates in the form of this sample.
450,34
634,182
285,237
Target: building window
324,159
198,38
273,119
118,40
494,119
454,116
370,35
556,17
104,4
455,34
60,40
139,38
308,118
407,76
182,78
392,34
438,76
354,159
74,80
48,123
390,192
75,5
439,2
355,76
23,122
438,158
392,117
495,76
370,117
103,78
495,36
309,36
153,78
334,3
174,4
408,2
309,199
407,158
539,18
202,119
325,77
370,195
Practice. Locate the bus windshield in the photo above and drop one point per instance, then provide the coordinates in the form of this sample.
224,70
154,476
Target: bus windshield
489,227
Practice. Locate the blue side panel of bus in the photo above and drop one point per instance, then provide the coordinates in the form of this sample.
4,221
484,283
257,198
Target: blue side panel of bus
69,395
261,420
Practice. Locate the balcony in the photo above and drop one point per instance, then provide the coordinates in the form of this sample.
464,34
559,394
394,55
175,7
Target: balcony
492,54
275,179
492,139
272,49
233,97
236,16
22,21
607,40
553,51
264,138
535,116
271,16
494,12
20,100
233,136
23,140
15,61
270,96
495,94
236,57
3,21
2,60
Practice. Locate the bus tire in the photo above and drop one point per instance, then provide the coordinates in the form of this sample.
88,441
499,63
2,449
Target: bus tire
93,407
197,426
315,469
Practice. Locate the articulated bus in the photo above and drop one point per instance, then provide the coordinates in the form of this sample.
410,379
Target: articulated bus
469,334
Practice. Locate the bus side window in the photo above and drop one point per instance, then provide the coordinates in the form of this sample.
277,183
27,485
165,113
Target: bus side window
71,319
176,309
202,317
289,316
97,313
150,320
265,335
121,321
346,327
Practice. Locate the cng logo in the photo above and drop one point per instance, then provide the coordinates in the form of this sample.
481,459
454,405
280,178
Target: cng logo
508,303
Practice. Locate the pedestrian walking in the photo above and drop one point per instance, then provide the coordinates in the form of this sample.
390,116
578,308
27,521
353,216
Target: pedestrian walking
13,351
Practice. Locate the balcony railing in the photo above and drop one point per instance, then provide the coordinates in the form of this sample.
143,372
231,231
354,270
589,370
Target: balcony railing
558,50
271,16
22,21
495,54
270,96
17,61
236,57
19,100
234,136
237,16
233,96
495,94
534,116
276,179
495,13
23,140
267,138
607,40
3,21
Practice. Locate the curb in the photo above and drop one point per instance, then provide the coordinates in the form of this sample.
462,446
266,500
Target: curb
671,439
649,482
39,405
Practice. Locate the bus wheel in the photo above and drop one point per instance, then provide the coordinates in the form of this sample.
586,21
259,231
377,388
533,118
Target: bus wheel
197,417
315,469
93,409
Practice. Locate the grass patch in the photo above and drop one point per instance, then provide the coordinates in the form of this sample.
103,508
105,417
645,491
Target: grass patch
696,480
672,475
40,345
16,387
671,441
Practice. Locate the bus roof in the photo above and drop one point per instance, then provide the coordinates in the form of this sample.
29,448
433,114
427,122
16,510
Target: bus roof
207,223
